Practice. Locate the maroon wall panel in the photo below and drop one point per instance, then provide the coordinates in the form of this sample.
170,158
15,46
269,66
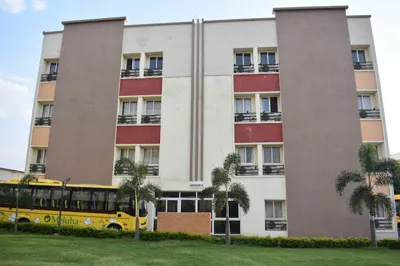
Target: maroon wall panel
145,86
138,135
253,83
247,133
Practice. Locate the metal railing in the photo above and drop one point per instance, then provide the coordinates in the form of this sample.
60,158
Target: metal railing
148,72
247,170
243,68
151,119
43,121
273,169
243,117
48,77
369,113
383,224
271,116
37,168
127,119
268,68
275,225
363,65
151,170
130,73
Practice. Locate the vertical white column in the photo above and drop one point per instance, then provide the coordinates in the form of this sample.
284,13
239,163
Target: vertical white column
255,59
139,110
138,154
260,159
150,215
258,107
142,64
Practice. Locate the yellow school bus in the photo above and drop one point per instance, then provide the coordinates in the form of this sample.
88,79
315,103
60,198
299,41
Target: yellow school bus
397,199
83,205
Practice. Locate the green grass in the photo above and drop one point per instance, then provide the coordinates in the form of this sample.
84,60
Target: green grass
27,249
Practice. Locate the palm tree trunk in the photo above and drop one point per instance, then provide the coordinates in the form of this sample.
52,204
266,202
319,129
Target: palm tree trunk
137,232
16,212
374,242
227,224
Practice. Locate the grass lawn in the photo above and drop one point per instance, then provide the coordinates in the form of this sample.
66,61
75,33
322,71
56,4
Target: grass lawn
26,249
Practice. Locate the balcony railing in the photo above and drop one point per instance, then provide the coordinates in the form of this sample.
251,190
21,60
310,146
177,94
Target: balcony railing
273,169
151,119
243,68
271,116
37,168
383,224
275,225
247,170
127,119
151,170
268,68
48,77
363,65
245,117
148,72
42,121
369,113
130,73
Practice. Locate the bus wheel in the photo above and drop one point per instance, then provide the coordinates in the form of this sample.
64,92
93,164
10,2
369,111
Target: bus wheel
23,220
115,227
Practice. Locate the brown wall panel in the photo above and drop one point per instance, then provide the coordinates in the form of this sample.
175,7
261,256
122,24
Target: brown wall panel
265,132
256,82
194,223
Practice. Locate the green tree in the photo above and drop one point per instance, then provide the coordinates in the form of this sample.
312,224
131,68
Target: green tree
135,186
374,173
396,181
224,189
20,193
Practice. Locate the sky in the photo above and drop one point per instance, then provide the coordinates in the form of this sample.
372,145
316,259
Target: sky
23,21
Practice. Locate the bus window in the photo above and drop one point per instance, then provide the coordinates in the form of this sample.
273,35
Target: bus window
98,200
25,198
111,204
398,207
7,197
142,208
41,197
125,205
56,198
80,199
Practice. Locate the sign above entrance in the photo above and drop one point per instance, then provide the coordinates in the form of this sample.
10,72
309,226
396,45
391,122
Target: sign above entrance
196,185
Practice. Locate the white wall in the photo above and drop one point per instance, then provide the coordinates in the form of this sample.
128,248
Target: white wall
52,46
360,31
7,174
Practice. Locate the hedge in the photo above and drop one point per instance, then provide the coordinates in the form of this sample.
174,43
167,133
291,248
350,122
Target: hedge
282,242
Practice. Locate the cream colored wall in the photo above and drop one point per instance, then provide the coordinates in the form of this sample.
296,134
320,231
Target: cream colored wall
365,80
40,136
371,130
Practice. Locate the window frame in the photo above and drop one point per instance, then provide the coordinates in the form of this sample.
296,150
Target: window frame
272,155
152,109
357,51
50,111
134,60
245,152
56,64
283,206
243,104
379,208
243,56
268,62
42,159
130,103
123,151
157,62
362,101
151,155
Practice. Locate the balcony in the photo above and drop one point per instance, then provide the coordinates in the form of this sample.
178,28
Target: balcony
37,168
127,119
245,117
152,170
149,72
369,113
48,77
125,73
271,116
275,225
43,121
243,68
363,65
268,68
273,169
383,224
151,119
247,170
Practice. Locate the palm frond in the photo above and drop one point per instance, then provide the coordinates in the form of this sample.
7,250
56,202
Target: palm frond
207,192
238,193
346,177
26,179
219,201
232,163
360,198
381,199
382,180
368,157
388,166
127,187
148,192
219,177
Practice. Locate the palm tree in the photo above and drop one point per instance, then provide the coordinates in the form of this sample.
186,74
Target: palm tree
224,189
374,173
135,186
19,191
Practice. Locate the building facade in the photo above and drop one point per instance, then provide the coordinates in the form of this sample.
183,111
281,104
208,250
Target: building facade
6,174
295,95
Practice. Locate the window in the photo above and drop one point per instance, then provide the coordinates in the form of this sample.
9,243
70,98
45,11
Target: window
128,153
358,55
46,110
41,156
274,210
98,200
150,156
398,207
243,105
243,59
56,198
380,212
269,104
80,199
153,108
219,227
129,108
188,205
53,68
172,206
111,204
204,206
6,195
233,210
133,63
267,58
246,155
41,197
156,62
272,155
364,102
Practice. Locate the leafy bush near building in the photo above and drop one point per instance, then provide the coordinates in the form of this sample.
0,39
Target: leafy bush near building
273,242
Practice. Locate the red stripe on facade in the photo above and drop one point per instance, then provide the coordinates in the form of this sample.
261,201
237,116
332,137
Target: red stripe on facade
254,82
250,133
144,86
138,134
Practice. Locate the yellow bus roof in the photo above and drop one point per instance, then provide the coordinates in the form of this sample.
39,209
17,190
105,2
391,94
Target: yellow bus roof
397,197
50,182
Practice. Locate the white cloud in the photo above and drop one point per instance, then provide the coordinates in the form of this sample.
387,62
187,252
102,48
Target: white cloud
39,5
12,6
